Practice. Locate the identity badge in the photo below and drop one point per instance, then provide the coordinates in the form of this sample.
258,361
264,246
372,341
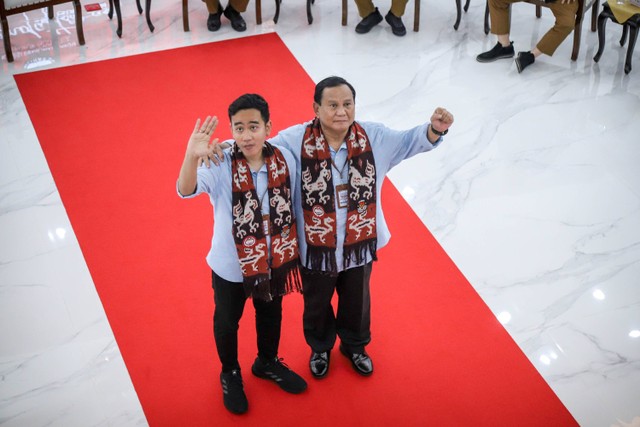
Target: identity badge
343,195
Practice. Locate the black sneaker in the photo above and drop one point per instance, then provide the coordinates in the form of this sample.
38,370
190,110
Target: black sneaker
280,373
213,22
498,52
397,27
233,392
524,59
368,22
237,22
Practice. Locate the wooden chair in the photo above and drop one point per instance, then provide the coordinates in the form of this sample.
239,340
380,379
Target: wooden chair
583,6
416,14
14,7
185,13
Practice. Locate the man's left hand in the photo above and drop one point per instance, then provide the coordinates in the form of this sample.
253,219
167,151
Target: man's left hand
441,119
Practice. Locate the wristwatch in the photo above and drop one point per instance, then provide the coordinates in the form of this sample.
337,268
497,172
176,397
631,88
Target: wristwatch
443,133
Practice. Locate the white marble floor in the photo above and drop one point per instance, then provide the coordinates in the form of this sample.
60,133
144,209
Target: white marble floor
535,195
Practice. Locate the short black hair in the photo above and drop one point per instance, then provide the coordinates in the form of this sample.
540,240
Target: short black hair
332,81
250,101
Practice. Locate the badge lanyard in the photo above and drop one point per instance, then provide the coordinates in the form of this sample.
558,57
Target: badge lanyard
265,217
342,189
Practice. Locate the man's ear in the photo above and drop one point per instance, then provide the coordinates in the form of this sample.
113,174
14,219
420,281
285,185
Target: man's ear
268,127
316,108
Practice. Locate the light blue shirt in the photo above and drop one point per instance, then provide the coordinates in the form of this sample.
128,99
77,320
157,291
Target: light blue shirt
389,147
216,182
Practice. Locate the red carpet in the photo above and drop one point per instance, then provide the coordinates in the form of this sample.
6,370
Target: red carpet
114,133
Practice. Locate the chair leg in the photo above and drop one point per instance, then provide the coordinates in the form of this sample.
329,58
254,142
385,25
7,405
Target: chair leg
110,14
487,28
466,5
602,25
416,16
139,6
458,15
147,13
344,12
185,15
277,15
77,10
309,15
258,12
50,12
538,11
7,42
595,7
576,43
577,31
625,31
633,36
116,3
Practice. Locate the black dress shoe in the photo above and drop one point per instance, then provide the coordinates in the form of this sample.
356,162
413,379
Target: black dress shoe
497,52
361,362
213,22
319,364
397,27
237,22
368,22
524,59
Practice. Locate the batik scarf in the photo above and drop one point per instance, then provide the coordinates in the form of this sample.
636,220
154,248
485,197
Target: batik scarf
318,199
266,274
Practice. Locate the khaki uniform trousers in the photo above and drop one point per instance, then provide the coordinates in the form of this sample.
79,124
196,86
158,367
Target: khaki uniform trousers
366,7
565,22
238,5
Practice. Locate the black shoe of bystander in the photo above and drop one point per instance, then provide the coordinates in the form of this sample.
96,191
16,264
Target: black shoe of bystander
397,27
497,52
237,22
368,22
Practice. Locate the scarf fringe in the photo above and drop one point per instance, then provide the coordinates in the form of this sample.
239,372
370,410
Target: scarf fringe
285,280
258,287
323,258
357,253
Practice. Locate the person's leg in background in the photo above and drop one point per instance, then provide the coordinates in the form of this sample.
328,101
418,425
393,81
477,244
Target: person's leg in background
500,13
394,17
565,14
369,14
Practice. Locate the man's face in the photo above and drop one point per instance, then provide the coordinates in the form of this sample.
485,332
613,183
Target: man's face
250,131
337,109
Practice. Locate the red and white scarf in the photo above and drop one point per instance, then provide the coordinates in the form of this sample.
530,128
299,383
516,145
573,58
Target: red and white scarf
318,199
265,273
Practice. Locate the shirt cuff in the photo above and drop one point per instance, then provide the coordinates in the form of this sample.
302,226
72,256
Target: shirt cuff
190,196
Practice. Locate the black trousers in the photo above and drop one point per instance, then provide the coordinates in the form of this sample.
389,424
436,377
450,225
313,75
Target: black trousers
229,298
351,322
